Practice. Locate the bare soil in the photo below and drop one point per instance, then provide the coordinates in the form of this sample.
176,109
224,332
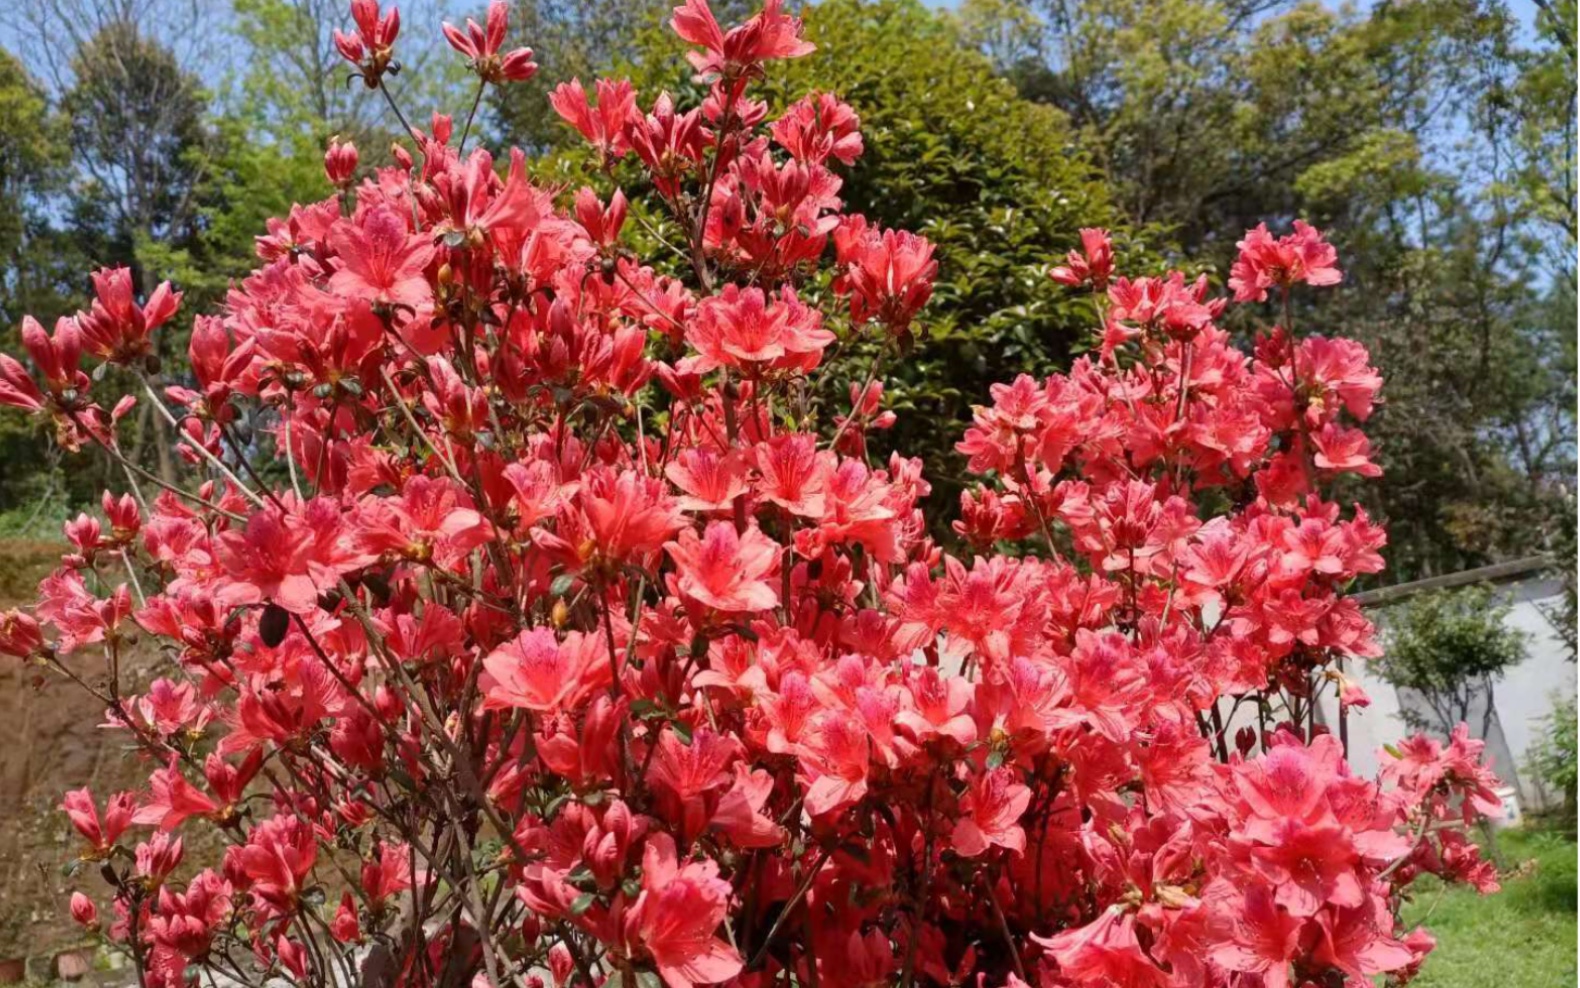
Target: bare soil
50,741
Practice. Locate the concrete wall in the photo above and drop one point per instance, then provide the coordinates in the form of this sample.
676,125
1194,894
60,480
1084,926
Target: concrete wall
1521,699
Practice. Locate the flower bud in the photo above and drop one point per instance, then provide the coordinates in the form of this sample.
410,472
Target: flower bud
346,927
1245,740
20,635
340,163
83,911
531,929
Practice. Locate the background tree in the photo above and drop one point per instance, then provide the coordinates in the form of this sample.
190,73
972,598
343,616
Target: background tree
294,81
289,86
143,148
176,171
137,128
284,96
1434,142
575,39
951,151
32,167
1555,758
35,259
1543,103
1447,649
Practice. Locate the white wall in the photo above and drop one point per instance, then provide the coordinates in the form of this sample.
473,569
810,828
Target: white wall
1522,698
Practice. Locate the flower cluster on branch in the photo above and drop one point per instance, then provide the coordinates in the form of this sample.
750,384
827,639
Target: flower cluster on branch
537,616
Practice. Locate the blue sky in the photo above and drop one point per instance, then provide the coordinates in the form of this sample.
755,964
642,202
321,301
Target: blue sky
418,17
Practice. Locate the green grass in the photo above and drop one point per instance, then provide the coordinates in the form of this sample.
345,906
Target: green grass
1522,937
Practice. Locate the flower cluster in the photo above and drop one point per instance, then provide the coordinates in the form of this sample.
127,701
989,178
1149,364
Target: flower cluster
583,636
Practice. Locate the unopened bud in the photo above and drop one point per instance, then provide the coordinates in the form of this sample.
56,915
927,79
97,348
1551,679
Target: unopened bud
340,163
83,911
1245,740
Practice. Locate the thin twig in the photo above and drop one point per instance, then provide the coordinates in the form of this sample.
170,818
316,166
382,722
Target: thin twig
790,907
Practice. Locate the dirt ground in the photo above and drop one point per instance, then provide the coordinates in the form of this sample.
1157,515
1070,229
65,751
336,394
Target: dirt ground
50,741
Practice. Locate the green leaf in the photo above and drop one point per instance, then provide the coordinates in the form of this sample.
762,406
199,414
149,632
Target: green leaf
648,979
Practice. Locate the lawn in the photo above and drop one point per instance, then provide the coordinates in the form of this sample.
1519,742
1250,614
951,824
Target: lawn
1523,937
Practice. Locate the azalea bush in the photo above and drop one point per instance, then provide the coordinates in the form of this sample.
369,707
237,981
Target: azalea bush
532,618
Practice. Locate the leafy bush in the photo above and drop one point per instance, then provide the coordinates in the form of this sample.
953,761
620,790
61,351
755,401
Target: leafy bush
574,635
1554,757
952,153
1448,648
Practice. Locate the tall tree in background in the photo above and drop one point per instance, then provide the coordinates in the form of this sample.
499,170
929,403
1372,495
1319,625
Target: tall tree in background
1205,113
136,121
134,117
174,173
293,82
995,181
1544,107
575,39
36,260
291,87
32,170
277,109
133,110
137,128
286,95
